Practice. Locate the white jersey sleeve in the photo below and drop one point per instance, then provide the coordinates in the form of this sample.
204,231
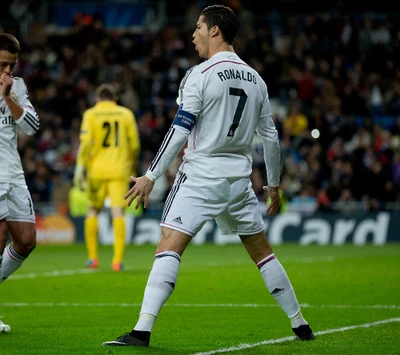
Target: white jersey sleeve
10,165
29,121
269,137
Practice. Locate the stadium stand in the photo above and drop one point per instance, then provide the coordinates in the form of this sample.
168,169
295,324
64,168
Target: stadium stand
332,75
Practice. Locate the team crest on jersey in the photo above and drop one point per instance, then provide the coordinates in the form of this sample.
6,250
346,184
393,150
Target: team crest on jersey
14,96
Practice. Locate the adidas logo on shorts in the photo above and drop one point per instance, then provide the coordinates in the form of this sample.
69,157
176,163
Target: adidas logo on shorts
177,220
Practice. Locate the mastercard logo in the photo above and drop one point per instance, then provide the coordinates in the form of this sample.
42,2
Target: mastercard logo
55,229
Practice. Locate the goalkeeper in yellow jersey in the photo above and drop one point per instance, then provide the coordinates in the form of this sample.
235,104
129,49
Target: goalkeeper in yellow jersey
108,154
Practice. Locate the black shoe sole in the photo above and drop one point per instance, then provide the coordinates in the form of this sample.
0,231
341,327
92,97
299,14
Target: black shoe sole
116,343
304,333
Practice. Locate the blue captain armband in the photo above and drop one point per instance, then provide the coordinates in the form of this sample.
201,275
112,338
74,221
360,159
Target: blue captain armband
184,119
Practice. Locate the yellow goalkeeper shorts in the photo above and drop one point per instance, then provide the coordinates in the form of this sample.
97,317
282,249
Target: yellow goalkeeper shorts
115,190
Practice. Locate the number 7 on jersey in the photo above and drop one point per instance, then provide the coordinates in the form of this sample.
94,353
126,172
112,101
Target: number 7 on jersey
239,109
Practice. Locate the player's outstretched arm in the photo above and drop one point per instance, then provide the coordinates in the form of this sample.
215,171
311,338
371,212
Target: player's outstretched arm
172,144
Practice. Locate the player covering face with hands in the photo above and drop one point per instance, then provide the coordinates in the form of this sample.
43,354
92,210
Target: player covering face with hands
17,215
223,103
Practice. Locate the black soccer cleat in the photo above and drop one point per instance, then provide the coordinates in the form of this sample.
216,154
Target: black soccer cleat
304,332
134,338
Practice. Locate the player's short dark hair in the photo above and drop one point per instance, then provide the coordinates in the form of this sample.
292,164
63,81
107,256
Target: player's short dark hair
106,92
9,43
223,17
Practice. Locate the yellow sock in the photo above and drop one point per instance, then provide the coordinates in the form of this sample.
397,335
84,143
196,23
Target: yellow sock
91,229
119,242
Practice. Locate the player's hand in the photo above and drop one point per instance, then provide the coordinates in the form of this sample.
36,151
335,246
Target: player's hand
273,193
5,84
79,178
142,188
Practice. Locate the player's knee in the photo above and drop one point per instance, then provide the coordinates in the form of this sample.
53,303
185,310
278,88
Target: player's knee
26,243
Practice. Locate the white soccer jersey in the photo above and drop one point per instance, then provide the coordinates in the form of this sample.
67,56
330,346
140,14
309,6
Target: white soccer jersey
223,101
10,163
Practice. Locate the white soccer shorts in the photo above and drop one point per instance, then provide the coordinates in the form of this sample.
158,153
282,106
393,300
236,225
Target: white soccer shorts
193,201
16,203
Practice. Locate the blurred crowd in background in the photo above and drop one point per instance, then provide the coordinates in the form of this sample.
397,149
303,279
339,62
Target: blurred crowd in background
333,80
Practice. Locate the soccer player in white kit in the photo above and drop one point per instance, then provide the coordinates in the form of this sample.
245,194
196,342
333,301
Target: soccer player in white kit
223,102
16,208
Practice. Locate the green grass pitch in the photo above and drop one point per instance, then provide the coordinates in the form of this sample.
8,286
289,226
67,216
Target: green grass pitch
350,295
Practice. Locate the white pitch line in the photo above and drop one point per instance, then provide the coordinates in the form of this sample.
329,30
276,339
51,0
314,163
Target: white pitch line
291,338
191,305
54,273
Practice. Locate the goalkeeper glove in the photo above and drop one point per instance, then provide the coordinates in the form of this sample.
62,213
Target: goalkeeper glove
79,177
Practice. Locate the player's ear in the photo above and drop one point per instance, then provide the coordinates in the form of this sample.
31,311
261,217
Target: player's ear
214,31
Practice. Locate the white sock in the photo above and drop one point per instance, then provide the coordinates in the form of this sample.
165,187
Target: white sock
161,283
145,322
279,286
11,262
298,320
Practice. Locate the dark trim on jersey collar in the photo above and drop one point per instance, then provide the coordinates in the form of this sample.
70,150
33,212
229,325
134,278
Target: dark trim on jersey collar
223,61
